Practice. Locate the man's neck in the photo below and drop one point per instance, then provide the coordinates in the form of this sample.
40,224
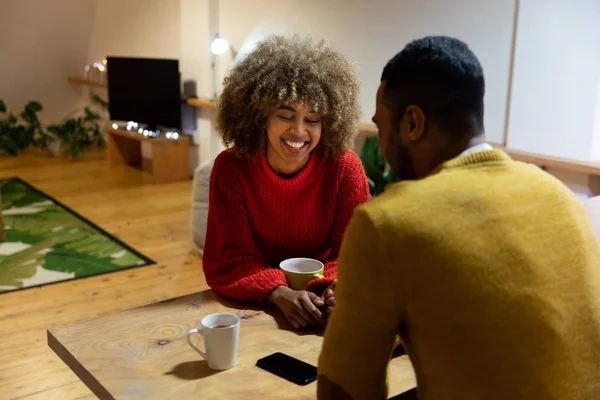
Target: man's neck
449,152
475,141
455,151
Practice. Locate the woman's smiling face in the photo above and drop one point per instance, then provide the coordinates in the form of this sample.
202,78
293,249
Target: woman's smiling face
293,131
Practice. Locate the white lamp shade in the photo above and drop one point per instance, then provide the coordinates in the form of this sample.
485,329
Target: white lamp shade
219,46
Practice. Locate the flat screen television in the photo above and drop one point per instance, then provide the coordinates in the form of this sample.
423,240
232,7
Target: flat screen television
144,90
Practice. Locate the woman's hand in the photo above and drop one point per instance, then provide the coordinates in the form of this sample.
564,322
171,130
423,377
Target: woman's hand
329,298
298,306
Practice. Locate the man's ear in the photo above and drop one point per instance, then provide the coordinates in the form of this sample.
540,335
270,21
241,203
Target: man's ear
415,117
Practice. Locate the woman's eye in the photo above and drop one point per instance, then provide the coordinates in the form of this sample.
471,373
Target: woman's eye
312,121
285,118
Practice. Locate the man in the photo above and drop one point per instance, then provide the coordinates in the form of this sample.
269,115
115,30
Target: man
487,268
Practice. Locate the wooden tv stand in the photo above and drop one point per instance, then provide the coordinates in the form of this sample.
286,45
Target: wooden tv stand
170,158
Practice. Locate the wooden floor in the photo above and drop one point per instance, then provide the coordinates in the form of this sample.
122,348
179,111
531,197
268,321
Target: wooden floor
154,219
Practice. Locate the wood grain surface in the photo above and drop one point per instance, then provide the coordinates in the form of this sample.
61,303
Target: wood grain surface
154,219
143,354
86,82
1,221
170,161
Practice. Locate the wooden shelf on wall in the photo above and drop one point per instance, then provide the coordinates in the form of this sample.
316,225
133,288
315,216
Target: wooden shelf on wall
367,129
81,81
201,103
565,164
194,102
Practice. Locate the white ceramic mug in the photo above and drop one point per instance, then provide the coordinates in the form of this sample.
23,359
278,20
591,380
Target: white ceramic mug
299,271
221,334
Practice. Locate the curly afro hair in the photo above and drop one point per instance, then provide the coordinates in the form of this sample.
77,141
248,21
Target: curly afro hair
283,70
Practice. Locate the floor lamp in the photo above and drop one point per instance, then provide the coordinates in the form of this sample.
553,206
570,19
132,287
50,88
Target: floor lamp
219,46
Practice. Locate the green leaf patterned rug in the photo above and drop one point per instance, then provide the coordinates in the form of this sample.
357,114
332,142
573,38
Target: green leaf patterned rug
47,242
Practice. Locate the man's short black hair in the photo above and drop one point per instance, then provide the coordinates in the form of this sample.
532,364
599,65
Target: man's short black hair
443,77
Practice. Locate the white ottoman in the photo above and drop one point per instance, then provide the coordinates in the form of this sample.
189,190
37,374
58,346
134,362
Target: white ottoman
592,206
200,204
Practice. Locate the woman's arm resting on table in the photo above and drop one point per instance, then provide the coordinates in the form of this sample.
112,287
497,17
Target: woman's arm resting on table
232,264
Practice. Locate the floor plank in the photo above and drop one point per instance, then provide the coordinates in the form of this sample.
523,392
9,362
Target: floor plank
153,219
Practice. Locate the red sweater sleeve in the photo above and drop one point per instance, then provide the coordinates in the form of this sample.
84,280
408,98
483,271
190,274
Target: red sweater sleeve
353,190
232,264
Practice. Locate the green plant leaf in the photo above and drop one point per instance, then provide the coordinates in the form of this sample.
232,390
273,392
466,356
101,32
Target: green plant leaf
75,134
100,102
391,177
12,273
44,139
34,106
16,194
59,240
22,265
64,260
12,119
90,115
375,166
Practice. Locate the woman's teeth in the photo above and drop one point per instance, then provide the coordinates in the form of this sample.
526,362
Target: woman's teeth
295,145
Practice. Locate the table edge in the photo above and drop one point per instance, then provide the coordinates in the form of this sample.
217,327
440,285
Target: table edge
74,365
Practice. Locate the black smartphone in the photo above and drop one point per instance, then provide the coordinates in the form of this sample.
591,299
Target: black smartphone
288,368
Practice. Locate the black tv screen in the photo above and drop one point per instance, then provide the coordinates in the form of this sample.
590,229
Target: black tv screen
144,90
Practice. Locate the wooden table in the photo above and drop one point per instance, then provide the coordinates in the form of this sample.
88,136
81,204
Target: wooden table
142,353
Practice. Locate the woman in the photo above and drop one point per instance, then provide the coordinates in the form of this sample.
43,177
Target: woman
287,186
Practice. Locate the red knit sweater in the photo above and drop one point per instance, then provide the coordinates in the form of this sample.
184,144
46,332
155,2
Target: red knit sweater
257,219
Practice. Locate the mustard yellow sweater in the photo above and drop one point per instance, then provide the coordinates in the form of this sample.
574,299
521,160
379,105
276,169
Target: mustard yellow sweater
490,273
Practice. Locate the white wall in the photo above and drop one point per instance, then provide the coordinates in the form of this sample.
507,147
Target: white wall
194,45
49,40
162,29
368,32
555,93
371,32
195,66
43,42
136,28
596,143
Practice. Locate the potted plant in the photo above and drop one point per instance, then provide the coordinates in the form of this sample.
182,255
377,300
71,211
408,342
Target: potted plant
17,135
79,133
74,134
377,170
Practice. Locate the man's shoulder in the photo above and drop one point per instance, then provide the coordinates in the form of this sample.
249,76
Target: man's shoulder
448,194
397,202
397,197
